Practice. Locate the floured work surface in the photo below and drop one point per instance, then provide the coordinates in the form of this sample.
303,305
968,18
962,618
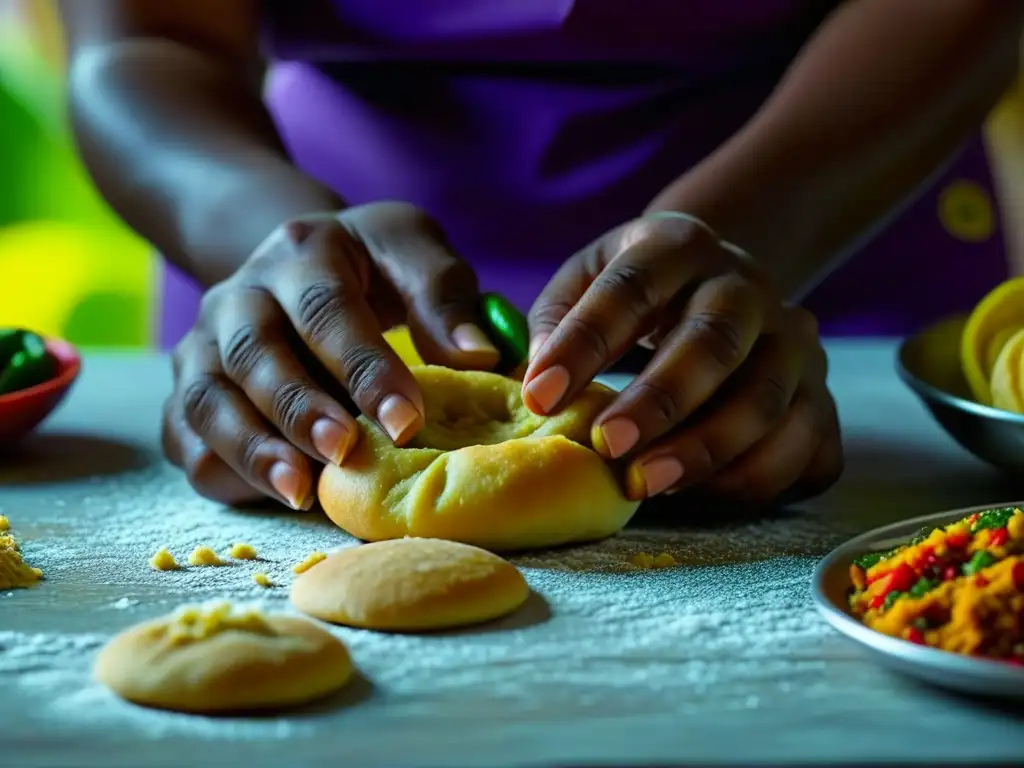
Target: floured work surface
720,658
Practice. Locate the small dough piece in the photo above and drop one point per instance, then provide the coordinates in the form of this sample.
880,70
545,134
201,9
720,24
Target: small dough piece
5,524
309,562
243,551
410,585
163,560
262,579
15,573
220,659
665,560
204,556
483,470
642,560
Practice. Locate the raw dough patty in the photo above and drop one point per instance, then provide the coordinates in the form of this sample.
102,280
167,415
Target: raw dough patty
409,585
216,659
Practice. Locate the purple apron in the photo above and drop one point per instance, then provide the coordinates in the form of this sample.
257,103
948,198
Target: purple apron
528,128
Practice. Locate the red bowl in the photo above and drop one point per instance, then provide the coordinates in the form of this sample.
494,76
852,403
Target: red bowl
24,410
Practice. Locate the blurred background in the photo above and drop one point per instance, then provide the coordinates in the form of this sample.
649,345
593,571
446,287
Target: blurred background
70,268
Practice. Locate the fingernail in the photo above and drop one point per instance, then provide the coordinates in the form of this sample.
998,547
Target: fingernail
651,477
331,439
536,343
288,482
398,417
615,437
469,338
548,388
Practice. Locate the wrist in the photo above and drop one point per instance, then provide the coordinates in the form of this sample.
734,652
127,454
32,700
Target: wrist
220,230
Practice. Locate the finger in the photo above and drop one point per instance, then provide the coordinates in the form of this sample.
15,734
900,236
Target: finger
752,408
720,327
323,294
208,475
229,425
439,289
824,470
619,307
778,461
256,354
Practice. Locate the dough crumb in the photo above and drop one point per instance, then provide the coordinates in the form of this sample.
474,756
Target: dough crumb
242,551
204,556
15,573
5,524
665,560
262,579
163,560
193,622
647,562
309,562
642,560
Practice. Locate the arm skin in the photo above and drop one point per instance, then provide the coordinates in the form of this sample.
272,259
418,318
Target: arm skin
877,102
167,112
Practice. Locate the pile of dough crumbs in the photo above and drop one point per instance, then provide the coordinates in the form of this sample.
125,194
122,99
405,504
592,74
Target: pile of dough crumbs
15,573
646,562
194,622
203,556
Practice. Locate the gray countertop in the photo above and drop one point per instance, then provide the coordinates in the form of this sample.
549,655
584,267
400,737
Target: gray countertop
720,660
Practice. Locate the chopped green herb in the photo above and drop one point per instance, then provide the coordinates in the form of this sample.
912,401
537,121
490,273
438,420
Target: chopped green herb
923,586
892,597
921,623
981,559
994,518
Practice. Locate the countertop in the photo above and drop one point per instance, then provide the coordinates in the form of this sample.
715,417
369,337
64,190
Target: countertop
722,659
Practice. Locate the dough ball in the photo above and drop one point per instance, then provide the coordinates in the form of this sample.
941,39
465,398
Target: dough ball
220,659
410,585
484,470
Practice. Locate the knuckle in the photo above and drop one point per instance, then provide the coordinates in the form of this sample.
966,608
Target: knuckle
290,403
363,366
320,307
247,450
547,314
590,333
718,335
771,399
243,352
629,288
662,401
199,401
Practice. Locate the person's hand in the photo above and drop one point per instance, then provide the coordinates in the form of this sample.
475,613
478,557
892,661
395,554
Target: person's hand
734,400
262,381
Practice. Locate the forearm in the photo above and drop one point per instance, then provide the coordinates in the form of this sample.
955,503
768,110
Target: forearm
182,148
880,98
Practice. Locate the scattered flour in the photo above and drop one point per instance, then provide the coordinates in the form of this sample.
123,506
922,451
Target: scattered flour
734,618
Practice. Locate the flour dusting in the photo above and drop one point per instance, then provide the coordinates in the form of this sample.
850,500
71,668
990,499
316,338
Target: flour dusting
735,616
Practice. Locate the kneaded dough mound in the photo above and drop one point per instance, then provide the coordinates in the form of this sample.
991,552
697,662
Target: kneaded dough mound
410,585
484,470
219,659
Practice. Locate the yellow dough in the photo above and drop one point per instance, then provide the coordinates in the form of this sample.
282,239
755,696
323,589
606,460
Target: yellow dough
410,585
220,659
204,556
5,524
309,562
483,470
163,560
15,573
242,551
262,580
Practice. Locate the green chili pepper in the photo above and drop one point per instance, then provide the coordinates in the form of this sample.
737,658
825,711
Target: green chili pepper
10,344
994,518
892,597
507,328
922,587
982,559
27,367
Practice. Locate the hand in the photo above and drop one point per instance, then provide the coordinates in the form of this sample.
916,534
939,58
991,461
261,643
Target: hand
262,381
734,400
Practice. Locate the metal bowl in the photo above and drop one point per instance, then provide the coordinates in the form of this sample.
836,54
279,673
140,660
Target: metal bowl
929,363
949,670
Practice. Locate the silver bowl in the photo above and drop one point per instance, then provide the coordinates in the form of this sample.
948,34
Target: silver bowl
929,363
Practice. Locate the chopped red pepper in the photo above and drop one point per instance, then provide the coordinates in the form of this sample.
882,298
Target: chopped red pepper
915,635
980,581
950,573
958,539
903,578
1017,574
974,518
877,602
999,537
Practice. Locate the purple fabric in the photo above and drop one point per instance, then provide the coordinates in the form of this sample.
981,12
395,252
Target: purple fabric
472,109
